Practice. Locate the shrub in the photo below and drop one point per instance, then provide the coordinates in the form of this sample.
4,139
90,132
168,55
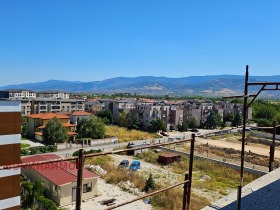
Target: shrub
150,184
47,203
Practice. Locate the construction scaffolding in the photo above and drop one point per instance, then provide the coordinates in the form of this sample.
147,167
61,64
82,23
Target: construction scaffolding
264,87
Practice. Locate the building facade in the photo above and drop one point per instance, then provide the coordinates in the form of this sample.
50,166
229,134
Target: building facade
10,137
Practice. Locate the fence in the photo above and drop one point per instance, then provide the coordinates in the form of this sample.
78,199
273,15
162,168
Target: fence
80,165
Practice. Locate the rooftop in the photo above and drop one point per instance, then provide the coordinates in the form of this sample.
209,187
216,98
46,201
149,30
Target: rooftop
81,113
59,173
48,116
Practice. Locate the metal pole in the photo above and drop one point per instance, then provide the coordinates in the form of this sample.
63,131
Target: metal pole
238,207
185,192
79,190
190,172
272,149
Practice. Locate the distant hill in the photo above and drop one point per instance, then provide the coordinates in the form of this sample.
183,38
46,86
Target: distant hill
214,85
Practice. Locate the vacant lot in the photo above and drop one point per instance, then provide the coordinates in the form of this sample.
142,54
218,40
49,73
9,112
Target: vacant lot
210,181
125,135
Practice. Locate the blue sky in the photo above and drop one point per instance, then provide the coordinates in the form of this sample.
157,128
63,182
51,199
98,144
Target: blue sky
93,40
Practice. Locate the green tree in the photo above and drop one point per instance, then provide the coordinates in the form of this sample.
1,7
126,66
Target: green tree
92,127
24,131
27,195
38,189
54,131
150,184
106,116
183,127
192,123
212,120
237,120
229,117
123,119
136,124
156,125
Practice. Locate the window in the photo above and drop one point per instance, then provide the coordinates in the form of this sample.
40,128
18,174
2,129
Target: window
87,187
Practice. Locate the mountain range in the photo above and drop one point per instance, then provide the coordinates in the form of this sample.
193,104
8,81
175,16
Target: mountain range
212,85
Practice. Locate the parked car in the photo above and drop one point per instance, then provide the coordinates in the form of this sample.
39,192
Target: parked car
135,165
124,164
194,130
164,134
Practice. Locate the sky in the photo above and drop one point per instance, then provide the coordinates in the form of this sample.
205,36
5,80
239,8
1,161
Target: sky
92,40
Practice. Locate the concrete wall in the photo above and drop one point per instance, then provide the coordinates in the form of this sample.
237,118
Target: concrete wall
264,135
103,141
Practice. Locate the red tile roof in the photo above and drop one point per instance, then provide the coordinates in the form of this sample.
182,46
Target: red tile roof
64,124
81,113
59,173
47,116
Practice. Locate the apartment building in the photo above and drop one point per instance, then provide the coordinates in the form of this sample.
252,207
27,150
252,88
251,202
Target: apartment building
17,94
10,129
55,95
46,105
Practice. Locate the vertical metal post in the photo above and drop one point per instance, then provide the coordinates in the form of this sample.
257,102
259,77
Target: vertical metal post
185,192
80,167
272,150
238,206
190,172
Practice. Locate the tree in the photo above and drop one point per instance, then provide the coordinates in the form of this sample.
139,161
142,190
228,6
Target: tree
183,127
212,120
80,123
24,131
54,131
237,120
156,125
106,116
136,124
150,184
229,117
92,127
123,119
192,123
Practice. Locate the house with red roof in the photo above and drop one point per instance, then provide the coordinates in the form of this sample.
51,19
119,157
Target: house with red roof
60,178
36,123
78,115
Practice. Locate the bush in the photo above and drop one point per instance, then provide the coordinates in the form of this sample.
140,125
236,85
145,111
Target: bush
47,203
150,184
38,150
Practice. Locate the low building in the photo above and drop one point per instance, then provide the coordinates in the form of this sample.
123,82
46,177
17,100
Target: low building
168,158
36,123
60,179
78,115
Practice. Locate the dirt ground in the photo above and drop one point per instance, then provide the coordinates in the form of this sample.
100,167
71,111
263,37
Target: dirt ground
255,148
108,191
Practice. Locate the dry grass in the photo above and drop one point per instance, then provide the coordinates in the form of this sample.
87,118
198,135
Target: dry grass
222,178
126,135
173,200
